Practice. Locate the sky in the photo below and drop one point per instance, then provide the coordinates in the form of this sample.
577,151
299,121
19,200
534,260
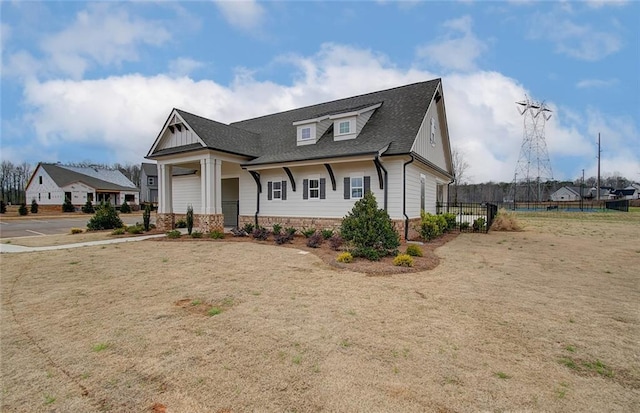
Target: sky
95,81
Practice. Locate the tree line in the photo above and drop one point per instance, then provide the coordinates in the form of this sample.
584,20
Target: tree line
15,177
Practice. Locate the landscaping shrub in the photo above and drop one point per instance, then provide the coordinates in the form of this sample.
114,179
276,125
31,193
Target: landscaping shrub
414,250
335,242
216,234
431,226
283,238
189,219
125,208
146,217
248,228
23,209
291,231
135,229
307,232
327,233
345,257
181,223
315,240
34,207
276,229
403,260
450,219
196,234
238,232
464,226
87,208
67,206
118,231
76,231
370,229
260,233
506,221
478,224
3,207
106,217
173,234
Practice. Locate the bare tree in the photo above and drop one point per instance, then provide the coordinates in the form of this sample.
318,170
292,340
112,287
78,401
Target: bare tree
460,166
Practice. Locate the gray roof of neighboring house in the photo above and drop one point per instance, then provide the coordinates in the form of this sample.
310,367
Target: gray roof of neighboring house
151,169
65,175
272,138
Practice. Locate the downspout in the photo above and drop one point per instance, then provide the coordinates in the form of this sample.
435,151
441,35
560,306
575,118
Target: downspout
404,197
386,179
256,177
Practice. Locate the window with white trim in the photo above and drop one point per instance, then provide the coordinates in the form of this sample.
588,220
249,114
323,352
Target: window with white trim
276,190
314,188
344,127
357,187
305,133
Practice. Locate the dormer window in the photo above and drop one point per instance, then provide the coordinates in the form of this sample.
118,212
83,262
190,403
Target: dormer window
305,133
344,127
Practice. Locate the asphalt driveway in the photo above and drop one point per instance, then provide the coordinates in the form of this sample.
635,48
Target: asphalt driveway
50,226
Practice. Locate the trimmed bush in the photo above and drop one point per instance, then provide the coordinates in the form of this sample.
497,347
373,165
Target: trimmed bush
87,208
370,229
125,208
174,234
216,235
327,233
450,219
76,231
335,242
67,206
431,226
118,231
23,209
34,207
403,260
189,219
106,217
315,240
276,229
307,232
414,250
345,257
146,217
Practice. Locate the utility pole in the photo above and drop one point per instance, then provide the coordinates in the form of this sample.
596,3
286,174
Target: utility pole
581,191
598,184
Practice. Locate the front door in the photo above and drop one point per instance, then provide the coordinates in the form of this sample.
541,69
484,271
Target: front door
230,201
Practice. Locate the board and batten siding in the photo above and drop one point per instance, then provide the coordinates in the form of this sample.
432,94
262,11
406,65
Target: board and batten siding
40,192
178,138
185,192
422,145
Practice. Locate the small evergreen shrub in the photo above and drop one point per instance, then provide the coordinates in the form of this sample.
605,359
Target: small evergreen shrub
87,208
216,234
307,232
135,229
67,206
345,257
370,229
403,260
291,231
464,226
3,207
76,231
146,217
106,217
327,233
23,209
174,234
450,219
414,250
181,223
125,208
118,231
315,240
478,224
248,228
335,242
431,226
196,234
276,229
34,207
189,219
260,233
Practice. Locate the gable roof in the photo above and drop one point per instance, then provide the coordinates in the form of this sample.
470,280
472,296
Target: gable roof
151,169
65,175
392,128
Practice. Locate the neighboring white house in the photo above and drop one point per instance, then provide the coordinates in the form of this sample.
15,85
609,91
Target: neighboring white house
50,184
570,193
307,167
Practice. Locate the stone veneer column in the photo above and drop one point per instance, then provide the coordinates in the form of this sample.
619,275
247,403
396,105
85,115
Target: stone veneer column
209,222
165,222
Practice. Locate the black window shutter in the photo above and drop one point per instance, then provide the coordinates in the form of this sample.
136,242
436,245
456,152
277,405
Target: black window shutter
323,188
347,187
269,190
284,190
305,189
367,184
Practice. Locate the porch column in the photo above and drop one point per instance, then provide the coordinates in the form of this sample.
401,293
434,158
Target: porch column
217,186
165,189
204,185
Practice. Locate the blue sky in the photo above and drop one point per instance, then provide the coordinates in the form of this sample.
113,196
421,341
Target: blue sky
96,81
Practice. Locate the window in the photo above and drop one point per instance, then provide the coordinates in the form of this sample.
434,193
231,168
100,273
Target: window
130,198
423,183
90,196
357,187
305,133
314,189
151,180
40,180
276,192
49,195
344,127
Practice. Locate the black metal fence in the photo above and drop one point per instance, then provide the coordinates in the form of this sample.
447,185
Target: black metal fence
470,216
618,205
568,206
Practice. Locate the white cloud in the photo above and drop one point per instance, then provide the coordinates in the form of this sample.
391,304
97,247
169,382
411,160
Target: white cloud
245,15
597,4
125,113
595,83
5,34
184,66
583,42
458,49
102,34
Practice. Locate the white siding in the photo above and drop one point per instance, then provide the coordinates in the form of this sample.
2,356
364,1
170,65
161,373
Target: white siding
186,191
248,194
48,193
394,191
422,146
78,192
413,190
178,138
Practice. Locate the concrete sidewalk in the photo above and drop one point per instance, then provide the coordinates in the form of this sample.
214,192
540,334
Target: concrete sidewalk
9,248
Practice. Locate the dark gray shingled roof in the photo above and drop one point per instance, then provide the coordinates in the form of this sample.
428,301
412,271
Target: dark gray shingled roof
272,138
63,177
151,169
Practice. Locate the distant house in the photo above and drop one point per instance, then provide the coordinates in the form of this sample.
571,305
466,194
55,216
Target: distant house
51,184
149,181
629,192
569,193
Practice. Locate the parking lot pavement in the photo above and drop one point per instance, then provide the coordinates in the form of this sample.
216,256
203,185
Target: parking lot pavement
49,226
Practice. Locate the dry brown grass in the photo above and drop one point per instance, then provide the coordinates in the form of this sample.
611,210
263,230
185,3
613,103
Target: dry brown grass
518,321
506,221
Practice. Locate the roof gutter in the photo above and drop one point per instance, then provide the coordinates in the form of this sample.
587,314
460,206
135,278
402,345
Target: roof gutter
404,197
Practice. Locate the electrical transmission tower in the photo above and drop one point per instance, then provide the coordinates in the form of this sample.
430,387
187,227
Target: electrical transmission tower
533,170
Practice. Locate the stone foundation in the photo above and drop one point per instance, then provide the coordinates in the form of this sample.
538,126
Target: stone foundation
201,223
165,222
414,228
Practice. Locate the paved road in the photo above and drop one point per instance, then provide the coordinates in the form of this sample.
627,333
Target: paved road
50,226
